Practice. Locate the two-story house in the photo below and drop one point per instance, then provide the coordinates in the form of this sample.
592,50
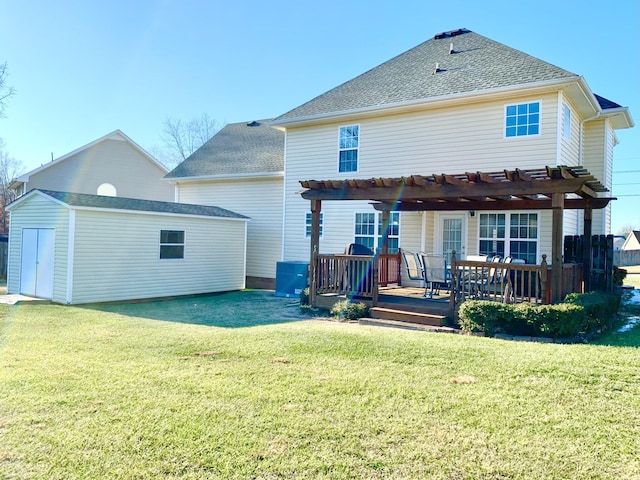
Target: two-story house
457,103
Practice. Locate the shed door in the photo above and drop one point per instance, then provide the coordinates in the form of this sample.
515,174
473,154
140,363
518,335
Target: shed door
36,266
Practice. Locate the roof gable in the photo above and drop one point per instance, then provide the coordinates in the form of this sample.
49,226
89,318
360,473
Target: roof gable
476,63
115,135
87,201
239,148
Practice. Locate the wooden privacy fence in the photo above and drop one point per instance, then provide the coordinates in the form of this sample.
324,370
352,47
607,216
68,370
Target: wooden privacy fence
596,257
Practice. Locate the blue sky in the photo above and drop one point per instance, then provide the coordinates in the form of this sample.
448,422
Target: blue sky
84,68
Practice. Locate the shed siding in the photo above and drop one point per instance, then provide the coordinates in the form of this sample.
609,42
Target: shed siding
39,212
111,161
117,256
259,199
446,140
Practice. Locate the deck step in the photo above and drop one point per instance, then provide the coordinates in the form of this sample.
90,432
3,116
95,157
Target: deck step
380,322
406,316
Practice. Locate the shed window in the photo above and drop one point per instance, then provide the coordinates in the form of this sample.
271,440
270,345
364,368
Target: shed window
171,244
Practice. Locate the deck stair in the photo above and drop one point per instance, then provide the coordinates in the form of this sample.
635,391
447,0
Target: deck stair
404,315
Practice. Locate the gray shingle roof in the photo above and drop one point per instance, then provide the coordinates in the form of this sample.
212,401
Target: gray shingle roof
122,203
606,103
478,63
237,148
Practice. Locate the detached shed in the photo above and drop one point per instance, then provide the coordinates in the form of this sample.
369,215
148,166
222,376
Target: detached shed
77,248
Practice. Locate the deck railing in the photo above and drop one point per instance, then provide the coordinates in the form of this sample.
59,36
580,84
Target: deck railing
353,275
498,282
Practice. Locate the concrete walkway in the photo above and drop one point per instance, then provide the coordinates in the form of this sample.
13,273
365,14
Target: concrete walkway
14,299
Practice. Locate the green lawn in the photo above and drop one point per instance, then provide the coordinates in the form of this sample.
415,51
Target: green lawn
124,392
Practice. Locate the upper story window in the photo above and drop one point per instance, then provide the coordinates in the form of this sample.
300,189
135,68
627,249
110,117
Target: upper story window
522,119
171,244
348,149
566,121
307,224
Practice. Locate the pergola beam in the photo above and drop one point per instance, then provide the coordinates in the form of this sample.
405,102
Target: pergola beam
442,206
368,191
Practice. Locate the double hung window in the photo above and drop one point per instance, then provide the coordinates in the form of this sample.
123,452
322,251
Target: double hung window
514,235
348,148
171,244
307,224
369,230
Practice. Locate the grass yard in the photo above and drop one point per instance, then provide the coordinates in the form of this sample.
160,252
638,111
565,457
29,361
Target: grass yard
235,386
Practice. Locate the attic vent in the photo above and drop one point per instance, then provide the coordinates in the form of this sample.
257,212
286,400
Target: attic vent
253,124
452,33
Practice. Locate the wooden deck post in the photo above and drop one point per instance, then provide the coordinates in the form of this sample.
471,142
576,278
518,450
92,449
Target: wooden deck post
454,284
316,207
586,248
557,206
544,271
386,216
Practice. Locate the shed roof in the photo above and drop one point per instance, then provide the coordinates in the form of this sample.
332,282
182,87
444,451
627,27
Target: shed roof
86,201
239,148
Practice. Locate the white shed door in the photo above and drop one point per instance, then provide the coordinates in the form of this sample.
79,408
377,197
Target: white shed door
36,266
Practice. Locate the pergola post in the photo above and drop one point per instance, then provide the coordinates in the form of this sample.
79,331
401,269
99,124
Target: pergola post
586,248
316,207
386,216
557,207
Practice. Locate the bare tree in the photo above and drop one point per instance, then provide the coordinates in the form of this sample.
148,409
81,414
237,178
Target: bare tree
181,138
10,168
625,230
6,91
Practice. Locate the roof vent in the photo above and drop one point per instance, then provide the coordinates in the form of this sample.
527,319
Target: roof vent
451,50
253,124
452,33
437,69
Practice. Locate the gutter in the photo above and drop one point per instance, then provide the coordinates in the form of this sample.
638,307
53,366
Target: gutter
231,176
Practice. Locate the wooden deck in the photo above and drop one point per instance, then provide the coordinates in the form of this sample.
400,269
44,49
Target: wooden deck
405,304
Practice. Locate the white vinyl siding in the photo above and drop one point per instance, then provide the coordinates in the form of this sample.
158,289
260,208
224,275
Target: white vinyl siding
127,266
39,213
112,161
443,140
597,153
258,199
568,148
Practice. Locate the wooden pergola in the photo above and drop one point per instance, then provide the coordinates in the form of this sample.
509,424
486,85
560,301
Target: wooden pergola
549,188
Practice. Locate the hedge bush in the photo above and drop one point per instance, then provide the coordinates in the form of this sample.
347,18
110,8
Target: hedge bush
348,310
581,313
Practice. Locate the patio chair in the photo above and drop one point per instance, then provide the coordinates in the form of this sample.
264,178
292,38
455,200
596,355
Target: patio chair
436,274
415,269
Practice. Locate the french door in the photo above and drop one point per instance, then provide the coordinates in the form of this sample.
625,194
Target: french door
452,234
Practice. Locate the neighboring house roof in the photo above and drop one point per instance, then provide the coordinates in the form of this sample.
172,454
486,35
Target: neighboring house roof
86,201
633,241
115,135
429,72
251,148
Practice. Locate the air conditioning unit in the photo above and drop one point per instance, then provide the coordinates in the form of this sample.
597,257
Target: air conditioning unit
291,278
